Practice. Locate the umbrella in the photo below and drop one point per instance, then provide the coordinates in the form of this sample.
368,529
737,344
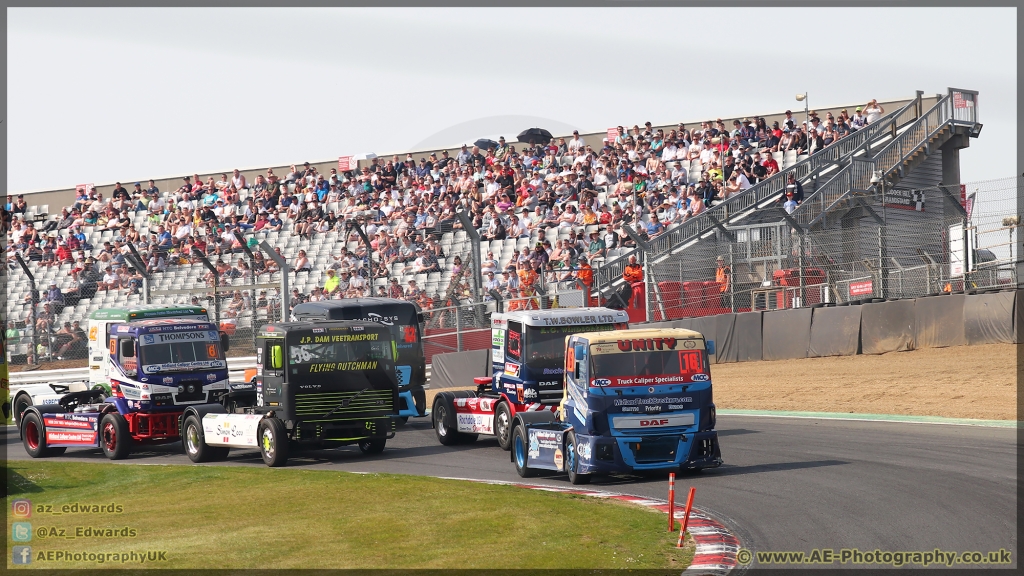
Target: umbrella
535,135
485,144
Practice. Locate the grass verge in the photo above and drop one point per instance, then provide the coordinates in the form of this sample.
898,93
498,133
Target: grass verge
233,517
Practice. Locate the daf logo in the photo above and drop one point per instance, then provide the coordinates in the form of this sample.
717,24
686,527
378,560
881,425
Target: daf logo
661,422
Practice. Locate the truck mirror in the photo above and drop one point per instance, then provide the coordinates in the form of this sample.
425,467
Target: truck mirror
225,342
276,358
127,348
420,318
710,346
580,351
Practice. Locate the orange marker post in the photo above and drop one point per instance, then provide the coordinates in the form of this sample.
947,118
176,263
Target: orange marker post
686,516
671,501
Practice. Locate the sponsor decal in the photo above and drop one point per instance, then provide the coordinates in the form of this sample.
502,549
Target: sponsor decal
180,337
475,423
580,319
211,377
644,344
358,328
68,423
318,331
184,366
583,451
643,401
385,320
534,451
148,339
497,354
497,338
666,421
70,437
529,393
326,339
650,390
168,380
700,378
652,408
601,382
92,333
630,408
559,464
121,329
512,369
689,344
519,392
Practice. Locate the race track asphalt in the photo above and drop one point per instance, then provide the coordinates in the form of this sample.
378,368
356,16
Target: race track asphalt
787,483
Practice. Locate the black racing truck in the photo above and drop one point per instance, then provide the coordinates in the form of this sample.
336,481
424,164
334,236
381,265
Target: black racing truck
320,384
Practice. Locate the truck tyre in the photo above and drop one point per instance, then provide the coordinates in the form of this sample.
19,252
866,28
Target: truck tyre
273,442
445,435
519,452
21,403
572,461
33,436
503,425
194,440
115,439
372,445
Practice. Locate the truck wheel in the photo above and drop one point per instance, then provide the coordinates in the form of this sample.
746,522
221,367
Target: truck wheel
195,442
445,435
273,442
372,445
21,403
33,436
572,461
519,452
115,439
503,425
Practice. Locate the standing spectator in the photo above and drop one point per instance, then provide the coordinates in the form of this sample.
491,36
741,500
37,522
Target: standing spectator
634,272
872,111
723,276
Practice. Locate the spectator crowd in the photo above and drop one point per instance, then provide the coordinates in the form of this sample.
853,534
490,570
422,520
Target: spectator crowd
643,177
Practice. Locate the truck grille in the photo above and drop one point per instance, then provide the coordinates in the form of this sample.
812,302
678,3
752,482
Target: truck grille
659,449
369,403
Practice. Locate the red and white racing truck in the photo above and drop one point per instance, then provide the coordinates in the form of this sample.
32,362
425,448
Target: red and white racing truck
527,363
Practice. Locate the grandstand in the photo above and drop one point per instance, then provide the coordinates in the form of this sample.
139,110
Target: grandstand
679,186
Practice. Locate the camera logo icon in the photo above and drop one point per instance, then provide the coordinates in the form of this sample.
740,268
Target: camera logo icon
21,508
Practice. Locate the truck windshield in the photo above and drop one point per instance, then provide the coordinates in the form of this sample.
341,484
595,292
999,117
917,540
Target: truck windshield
675,365
545,345
361,355
180,356
342,362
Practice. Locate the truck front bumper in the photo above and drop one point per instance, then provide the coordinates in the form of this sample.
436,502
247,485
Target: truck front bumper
624,454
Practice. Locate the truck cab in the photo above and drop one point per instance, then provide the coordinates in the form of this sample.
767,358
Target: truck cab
636,400
527,365
321,384
404,320
155,368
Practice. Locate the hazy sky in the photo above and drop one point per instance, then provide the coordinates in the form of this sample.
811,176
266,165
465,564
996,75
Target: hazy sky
98,95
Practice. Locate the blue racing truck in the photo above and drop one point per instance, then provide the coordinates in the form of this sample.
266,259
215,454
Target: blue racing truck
403,319
632,400
155,369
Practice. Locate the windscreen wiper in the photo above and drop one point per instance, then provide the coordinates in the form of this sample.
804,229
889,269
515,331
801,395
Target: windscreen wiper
344,403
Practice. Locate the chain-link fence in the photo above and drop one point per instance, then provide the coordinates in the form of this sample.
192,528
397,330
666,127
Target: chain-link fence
914,243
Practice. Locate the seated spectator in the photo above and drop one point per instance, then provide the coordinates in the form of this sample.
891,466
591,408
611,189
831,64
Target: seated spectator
302,263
